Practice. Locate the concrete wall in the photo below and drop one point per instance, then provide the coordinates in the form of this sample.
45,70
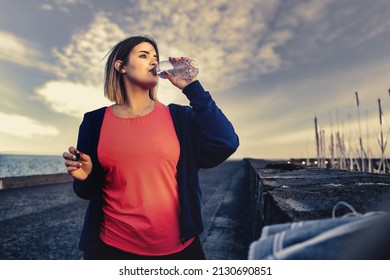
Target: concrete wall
289,193
257,195
34,180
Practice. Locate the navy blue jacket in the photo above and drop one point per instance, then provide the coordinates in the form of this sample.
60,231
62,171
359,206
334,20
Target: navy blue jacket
206,138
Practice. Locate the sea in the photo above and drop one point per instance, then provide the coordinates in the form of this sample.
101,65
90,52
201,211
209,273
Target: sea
22,165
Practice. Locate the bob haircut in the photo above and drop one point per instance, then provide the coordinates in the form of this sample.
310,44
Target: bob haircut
114,88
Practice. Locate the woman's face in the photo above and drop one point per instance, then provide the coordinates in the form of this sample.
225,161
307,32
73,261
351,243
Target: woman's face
139,69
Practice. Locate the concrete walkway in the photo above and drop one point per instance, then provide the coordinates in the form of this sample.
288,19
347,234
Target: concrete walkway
44,222
226,211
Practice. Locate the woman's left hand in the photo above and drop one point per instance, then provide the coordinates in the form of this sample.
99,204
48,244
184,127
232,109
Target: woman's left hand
178,82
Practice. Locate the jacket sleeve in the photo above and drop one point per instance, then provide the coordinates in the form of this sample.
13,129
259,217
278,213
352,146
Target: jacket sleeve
214,137
88,137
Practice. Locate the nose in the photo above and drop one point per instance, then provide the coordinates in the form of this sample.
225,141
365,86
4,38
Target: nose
154,62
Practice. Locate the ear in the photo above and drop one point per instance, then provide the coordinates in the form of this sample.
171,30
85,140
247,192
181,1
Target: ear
118,66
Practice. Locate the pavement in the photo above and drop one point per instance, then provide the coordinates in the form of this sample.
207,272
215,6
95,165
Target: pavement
44,222
226,211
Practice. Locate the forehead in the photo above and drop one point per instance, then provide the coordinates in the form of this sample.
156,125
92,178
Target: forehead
144,46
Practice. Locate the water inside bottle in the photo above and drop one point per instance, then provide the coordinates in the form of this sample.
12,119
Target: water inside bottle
164,66
183,69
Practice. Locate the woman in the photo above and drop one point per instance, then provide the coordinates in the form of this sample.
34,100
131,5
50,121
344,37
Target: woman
137,161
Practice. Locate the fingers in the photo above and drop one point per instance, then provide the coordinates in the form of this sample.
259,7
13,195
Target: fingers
173,79
73,154
179,82
73,150
78,164
72,163
178,58
170,76
71,168
72,159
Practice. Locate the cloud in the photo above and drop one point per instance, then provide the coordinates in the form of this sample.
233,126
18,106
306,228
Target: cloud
72,98
279,119
234,44
46,7
21,126
63,5
230,42
81,59
79,87
15,49
323,28
22,52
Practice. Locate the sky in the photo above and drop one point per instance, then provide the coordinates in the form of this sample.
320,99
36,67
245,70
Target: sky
272,66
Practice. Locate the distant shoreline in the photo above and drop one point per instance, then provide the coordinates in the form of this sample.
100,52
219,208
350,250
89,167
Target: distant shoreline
27,154
17,165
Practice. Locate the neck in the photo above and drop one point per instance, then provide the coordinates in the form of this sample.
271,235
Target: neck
136,94
136,102
136,97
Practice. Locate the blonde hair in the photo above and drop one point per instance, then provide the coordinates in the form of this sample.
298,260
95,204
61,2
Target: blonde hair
114,88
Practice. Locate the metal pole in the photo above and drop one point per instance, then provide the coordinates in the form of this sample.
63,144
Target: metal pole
360,133
317,141
381,144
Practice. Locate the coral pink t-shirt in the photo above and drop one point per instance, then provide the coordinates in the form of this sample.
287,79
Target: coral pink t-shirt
141,204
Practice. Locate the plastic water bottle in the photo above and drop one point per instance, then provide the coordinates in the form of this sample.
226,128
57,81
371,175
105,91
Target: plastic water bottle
184,69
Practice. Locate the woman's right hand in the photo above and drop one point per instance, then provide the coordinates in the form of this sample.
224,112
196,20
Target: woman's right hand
78,169
179,83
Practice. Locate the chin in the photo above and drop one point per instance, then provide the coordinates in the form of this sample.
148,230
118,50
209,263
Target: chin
150,85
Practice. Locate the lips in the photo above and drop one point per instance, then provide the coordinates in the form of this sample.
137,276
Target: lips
153,71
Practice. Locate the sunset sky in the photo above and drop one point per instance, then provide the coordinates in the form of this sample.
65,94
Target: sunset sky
271,66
